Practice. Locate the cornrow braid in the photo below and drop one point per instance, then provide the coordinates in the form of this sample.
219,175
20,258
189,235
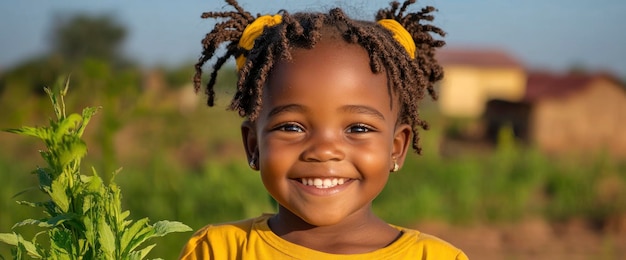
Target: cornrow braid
409,78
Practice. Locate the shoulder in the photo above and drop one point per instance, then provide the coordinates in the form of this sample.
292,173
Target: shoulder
216,239
230,229
429,246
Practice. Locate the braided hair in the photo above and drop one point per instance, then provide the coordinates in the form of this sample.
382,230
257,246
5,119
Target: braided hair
409,77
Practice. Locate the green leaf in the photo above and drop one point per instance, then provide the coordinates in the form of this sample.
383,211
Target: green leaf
141,253
124,215
88,112
94,184
85,178
51,161
50,207
31,222
106,238
165,227
66,86
90,233
134,231
45,177
58,193
17,240
55,104
88,203
73,148
61,246
9,238
59,219
143,235
39,132
159,229
28,203
59,254
66,126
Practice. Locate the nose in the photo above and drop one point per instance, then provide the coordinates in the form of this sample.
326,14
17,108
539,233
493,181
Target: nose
324,146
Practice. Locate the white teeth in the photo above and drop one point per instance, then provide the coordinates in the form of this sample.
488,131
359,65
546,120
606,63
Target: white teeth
323,183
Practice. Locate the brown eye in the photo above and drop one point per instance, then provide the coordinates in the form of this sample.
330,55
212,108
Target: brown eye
359,129
290,127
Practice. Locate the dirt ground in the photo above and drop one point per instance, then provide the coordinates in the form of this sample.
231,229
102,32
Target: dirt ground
535,239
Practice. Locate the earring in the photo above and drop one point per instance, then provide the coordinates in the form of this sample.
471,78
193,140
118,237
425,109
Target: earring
252,164
396,167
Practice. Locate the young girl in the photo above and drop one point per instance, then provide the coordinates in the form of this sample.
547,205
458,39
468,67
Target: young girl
331,108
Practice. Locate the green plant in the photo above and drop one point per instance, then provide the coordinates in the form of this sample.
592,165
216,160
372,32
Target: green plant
84,218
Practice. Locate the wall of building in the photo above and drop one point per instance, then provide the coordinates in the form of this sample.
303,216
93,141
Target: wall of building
588,121
465,90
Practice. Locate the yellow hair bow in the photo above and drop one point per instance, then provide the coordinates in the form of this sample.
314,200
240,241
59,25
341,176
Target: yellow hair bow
400,34
253,31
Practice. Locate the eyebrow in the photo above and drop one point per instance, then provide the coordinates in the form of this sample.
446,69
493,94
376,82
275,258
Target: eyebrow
358,109
286,108
363,110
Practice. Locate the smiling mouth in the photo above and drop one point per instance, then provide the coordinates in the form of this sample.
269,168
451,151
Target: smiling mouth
323,183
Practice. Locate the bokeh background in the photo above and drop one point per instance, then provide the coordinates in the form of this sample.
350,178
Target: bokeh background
497,182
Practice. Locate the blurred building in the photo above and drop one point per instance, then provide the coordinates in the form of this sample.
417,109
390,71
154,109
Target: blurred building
558,113
473,77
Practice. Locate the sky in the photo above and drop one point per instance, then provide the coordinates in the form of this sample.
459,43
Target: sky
542,34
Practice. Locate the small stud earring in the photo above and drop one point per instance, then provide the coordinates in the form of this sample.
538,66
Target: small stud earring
396,167
252,164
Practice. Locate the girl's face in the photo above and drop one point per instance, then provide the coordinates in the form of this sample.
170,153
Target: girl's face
326,137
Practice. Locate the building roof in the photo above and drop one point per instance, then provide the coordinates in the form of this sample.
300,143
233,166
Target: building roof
551,85
492,58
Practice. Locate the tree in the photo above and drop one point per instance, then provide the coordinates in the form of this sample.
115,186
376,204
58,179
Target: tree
82,36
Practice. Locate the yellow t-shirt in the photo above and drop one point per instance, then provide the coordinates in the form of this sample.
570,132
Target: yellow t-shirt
253,239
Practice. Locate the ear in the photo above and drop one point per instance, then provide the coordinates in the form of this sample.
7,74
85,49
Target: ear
401,141
250,140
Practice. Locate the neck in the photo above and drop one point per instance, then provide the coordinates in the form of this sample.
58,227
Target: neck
361,233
